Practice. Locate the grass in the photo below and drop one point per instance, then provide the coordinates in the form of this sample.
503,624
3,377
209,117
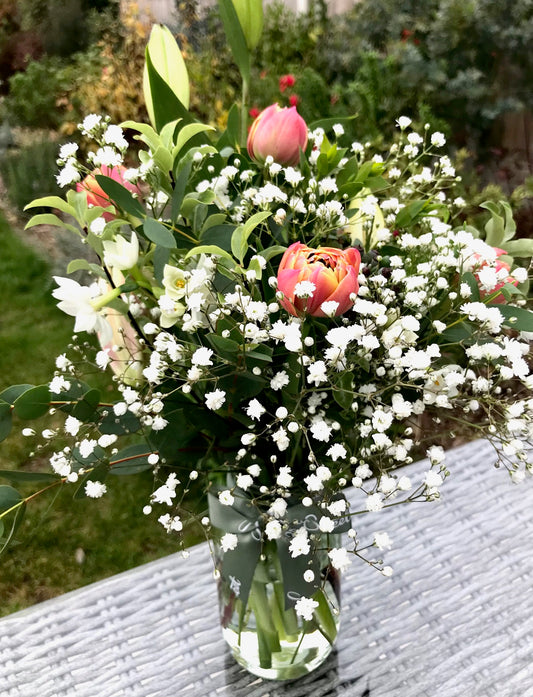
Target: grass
62,544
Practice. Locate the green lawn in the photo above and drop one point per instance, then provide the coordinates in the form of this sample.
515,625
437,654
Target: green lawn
110,534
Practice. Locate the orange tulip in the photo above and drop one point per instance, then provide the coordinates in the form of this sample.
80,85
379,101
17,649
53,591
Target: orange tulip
308,278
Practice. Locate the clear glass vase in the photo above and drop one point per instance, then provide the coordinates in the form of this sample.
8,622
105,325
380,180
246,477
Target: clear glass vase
264,632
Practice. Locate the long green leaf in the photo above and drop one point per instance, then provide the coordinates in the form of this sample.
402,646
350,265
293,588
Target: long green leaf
166,105
33,403
235,36
52,202
120,196
516,317
163,56
158,233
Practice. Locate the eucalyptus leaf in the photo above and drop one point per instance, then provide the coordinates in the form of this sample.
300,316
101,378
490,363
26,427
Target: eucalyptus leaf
131,460
6,420
18,476
9,498
10,394
120,196
33,403
516,317
157,233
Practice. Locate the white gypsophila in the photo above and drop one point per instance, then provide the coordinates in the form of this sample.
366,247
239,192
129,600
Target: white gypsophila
114,135
68,175
329,307
284,477
244,481
90,123
382,540
108,157
215,399
255,409
281,439
339,558
317,373
58,384
170,523
337,452
202,356
229,541
305,608
107,439
86,447
320,430
273,530
72,425
97,226
280,380
304,289
326,524
374,502
226,498
313,483
278,508
299,545
94,489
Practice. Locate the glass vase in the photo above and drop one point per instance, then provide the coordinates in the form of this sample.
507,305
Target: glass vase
263,630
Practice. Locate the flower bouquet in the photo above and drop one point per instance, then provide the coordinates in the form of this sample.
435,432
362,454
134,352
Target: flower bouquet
281,314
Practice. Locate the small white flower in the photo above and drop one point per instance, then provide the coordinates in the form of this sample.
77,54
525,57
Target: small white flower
229,541
94,490
226,498
305,608
202,356
382,540
255,409
273,530
339,558
214,400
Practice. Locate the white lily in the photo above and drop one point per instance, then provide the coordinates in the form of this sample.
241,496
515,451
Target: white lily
84,303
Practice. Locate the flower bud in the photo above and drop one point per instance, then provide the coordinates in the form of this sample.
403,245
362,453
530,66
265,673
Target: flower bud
279,133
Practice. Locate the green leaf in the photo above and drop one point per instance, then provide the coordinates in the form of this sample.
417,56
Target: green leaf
250,14
230,137
408,214
236,38
33,403
218,235
164,59
9,498
157,233
516,317
120,196
52,202
227,348
165,104
185,135
472,283
457,333
501,226
85,409
148,135
84,265
51,219
131,460
16,476
119,425
239,239
343,390
271,252
10,394
180,186
519,248
209,249
6,420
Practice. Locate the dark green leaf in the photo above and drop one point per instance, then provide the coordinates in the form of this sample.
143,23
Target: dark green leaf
180,186
516,317
459,332
10,394
120,196
119,425
157,233
15,476
235,36
131,460
160,259
33,403
471,281
218,235
227,348
85,409
343,390
230,137
5,420
9,498
408,214
167,106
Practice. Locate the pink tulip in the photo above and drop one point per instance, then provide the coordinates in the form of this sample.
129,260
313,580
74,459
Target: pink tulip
96,196
332,272
278,132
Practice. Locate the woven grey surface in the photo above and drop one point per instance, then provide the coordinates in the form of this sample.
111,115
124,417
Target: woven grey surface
456,618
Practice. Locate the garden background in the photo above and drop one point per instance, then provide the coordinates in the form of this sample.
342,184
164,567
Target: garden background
463,66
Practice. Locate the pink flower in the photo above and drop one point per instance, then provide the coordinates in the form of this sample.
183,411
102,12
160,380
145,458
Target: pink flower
310,277
96,195
498,266
278,132
286,81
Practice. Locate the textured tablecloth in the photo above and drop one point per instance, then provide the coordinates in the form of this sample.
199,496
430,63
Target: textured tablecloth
455,619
